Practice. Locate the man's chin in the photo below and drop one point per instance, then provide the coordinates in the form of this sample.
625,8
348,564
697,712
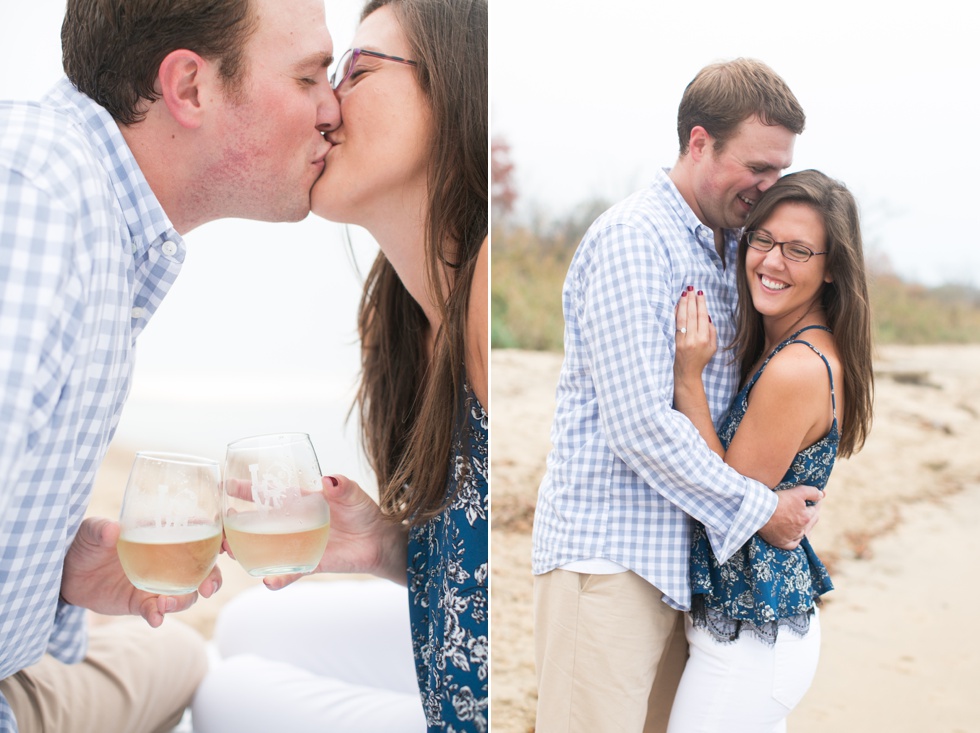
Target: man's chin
737,220
285,215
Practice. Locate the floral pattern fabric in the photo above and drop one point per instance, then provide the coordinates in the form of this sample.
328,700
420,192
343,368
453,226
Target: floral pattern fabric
763,588
448,576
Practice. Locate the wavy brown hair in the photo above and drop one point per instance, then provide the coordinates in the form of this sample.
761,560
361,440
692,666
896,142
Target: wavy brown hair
409,406
845,299
111,50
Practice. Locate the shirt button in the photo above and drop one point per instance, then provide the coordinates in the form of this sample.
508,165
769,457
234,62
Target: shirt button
137,313
169,249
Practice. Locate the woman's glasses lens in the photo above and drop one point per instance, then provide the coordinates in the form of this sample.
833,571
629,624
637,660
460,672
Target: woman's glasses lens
791,250
342,69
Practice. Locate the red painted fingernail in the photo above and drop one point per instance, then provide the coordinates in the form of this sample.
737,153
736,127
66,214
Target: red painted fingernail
709,319
684,294
333,481
700,292
690,287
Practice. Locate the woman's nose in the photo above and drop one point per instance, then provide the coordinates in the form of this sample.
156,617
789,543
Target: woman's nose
774,257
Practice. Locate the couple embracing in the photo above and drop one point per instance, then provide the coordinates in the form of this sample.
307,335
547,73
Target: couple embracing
717,361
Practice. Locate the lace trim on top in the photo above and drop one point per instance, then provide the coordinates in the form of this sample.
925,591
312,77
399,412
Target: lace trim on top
725,629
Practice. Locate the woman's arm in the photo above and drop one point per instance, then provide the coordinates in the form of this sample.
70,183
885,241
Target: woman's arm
478,329
789,409
693,349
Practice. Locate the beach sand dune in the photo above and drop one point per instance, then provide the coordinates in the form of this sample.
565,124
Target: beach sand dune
898,530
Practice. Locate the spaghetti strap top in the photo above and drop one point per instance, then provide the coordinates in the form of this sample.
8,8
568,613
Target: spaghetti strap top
762,588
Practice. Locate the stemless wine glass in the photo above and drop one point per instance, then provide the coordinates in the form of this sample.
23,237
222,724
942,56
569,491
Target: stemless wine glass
276,518
170,522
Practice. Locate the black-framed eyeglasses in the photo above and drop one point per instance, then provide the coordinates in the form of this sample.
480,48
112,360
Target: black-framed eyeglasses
795,251
348,62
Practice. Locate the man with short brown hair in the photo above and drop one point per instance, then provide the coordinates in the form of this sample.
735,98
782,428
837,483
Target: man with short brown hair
173,114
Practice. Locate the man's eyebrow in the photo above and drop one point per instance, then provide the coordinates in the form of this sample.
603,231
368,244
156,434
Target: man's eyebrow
318,60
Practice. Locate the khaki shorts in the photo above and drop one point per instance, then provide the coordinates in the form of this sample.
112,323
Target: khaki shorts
134,679
609,653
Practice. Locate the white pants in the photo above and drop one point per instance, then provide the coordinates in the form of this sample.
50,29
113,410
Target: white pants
743,686
323,656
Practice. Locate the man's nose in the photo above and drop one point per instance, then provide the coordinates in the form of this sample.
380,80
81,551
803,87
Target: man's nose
768,178
328,112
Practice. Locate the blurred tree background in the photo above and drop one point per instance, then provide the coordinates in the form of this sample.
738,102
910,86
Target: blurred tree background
531,256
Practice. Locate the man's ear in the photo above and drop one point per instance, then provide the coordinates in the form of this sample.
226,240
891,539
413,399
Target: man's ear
699,142
182,79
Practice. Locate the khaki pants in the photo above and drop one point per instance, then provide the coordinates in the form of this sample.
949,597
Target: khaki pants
609,653
134,680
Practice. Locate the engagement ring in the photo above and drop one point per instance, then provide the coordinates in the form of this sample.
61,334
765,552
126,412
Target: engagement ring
682,330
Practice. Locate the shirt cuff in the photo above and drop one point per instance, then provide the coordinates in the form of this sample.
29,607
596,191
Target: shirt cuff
757,507
69,636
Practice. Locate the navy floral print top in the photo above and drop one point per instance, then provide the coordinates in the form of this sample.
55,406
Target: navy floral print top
763,588
448,575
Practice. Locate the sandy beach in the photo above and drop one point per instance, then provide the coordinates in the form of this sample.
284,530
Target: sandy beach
896,530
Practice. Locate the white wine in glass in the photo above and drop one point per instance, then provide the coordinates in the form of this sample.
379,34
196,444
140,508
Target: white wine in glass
276,518
170,522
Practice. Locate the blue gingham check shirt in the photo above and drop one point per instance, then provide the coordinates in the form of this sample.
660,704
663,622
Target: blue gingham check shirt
86,255
626,471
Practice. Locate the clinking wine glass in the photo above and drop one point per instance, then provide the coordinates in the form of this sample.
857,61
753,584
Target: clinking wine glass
276,518
170,522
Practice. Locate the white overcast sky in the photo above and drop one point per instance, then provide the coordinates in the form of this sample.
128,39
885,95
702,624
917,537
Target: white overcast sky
258,333
586,94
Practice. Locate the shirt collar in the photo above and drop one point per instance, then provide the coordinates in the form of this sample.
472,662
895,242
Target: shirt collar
148,223
685,214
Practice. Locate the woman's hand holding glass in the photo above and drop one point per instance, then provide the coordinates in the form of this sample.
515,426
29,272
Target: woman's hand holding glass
362,539
276,518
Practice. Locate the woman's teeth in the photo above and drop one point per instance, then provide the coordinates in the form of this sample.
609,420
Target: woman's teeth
772,284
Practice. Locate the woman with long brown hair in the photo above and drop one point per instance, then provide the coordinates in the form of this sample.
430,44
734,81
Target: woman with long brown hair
409,164
803,347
